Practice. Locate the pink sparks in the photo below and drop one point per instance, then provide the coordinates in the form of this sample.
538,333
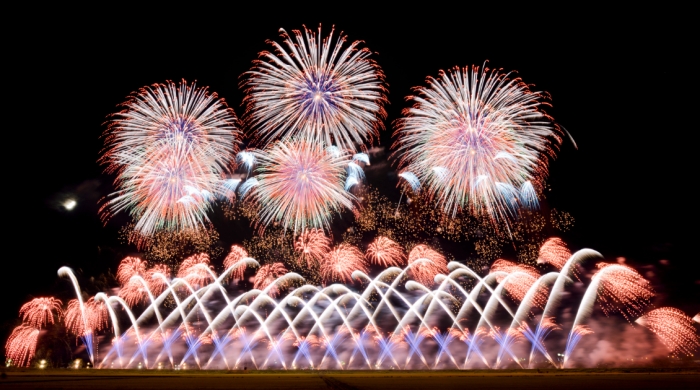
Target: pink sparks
386,253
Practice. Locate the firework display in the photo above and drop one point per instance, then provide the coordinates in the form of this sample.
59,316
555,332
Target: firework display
674,328
465,271
477,140
316,89
170,148
300,184
281,323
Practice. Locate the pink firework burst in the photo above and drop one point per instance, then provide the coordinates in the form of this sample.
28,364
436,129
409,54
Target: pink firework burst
622,289
300,184
234,256
155,281
21,345
129,267
386,253
95,317
674,328
195,270
39,312
317,90
171,147
425,263
477,140
522,278
267,274
312,245
339,264
133,293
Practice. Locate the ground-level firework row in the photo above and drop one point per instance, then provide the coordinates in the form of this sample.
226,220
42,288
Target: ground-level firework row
511,317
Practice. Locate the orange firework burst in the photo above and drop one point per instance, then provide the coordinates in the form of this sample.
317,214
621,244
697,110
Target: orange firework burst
425,264
622,289
195,270
133,293
267,274
674,328
341,262
21,345
40,311
522,278
312,245
237,253
555,252
386,253
129,267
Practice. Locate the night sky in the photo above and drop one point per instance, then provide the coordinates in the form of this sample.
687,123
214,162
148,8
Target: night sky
619,82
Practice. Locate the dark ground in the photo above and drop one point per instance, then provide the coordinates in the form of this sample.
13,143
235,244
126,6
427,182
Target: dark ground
637,379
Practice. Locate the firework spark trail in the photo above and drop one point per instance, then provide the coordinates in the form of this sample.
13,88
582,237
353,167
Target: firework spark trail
674,328
267,274
235,255
388,345
312,245
506,340
424,271
555,253
477,140
523,277
575,337
317,90
299,185
443,340
339,264
622,289
21,345
386,253
537,339
473,342
619,288
39,312
170,147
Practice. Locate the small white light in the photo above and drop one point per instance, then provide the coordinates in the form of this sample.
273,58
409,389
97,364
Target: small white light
70,204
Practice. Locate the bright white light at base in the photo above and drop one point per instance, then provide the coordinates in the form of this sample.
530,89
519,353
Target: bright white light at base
70,204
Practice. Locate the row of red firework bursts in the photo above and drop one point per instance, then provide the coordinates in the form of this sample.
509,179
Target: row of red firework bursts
618,288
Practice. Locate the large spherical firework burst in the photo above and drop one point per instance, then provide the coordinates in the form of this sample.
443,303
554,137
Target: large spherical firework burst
316,89
478,141
300,184
170,146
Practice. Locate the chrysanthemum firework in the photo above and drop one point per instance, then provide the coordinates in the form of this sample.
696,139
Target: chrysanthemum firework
312,245
39,312
385,252
235,255
170,147
299,184
267,274
316,89
339,264
196,270
425,264
478,141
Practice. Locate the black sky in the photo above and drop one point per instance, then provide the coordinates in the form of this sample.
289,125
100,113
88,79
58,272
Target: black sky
621,82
